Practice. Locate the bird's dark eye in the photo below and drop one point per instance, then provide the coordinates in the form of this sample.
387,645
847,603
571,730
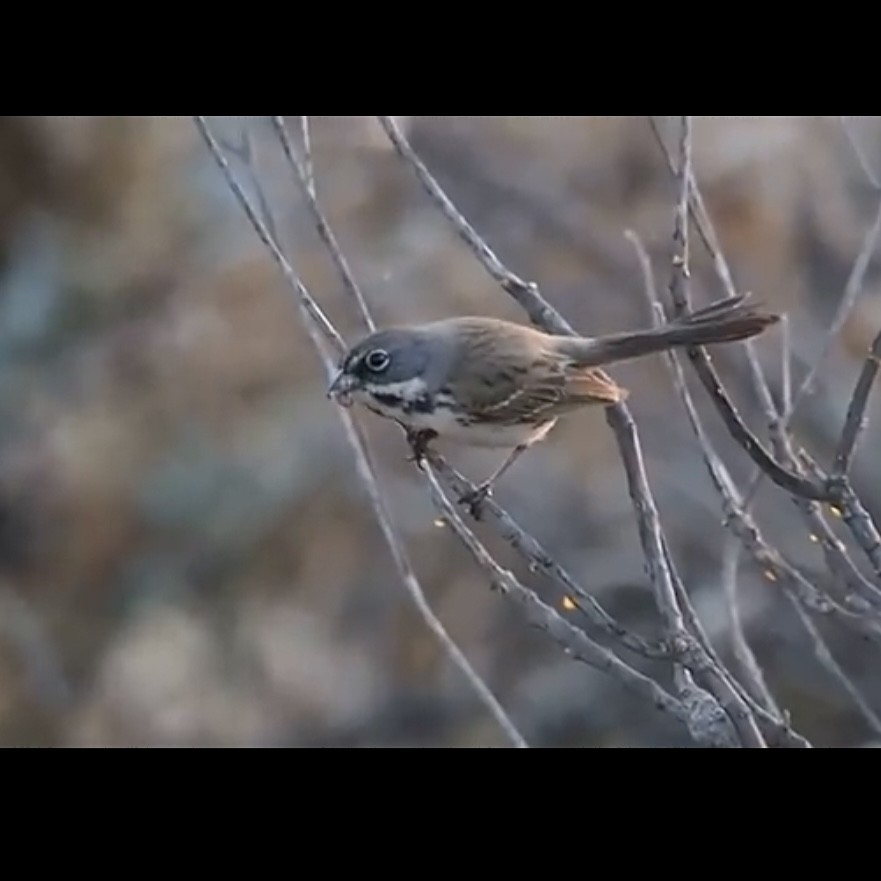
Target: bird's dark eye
378,361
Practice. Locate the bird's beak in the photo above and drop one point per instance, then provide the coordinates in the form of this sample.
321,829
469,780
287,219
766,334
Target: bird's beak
342,388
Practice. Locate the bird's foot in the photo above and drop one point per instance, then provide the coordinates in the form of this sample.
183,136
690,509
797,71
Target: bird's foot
419,441
475,500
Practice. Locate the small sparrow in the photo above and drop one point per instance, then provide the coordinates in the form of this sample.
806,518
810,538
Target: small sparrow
484,382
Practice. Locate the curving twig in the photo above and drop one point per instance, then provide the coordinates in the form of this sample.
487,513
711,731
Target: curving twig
316,324
620,420
837,494
532,550
800,592
857,418
573,641
540,560
304,176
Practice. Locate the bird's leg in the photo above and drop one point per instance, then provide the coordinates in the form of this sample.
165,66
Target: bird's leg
474,500
419,441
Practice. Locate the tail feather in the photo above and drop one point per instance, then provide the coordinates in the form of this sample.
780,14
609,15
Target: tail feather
725,321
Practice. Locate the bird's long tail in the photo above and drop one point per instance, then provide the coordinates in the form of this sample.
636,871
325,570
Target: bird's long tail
725,321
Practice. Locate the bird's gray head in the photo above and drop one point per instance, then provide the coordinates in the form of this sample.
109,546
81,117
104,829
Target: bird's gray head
398,363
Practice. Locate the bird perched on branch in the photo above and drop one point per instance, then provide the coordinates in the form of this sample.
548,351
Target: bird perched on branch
484,382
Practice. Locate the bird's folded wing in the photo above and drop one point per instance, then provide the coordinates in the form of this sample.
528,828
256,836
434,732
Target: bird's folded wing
542,394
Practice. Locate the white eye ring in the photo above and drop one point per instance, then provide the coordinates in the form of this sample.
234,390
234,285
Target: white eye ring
378,361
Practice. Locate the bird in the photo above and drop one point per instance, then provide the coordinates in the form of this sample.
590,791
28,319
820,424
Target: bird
485,382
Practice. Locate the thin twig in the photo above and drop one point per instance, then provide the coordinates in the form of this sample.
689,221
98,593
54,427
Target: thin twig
853,512
541,561
592,610
786,363
622,424
250,159
650,532
308,191
775,729
527,294
852,293
827,660
795,586
680,283
516,536
315,326
519,539
574,643
859,521
308,158
743,653
859,591
787,479
306,301
742,650
857,418
751,538
653,545
775,567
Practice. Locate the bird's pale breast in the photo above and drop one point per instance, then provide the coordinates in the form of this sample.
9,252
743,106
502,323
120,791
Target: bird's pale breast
451,428
407,402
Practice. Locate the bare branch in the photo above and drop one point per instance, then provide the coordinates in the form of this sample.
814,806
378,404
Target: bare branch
804,492
650,532
527,294
789,480
725,486
316,323
715,676
858,589
857,418
653,544
308,159
775,729
755,678
717,709
852,293
573,641
312,310
859,521
519,539
786,363
680,284
694,657
541,561
827,660
308,191
775,567
527,545
749,665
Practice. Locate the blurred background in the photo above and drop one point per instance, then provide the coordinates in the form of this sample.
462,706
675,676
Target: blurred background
187,557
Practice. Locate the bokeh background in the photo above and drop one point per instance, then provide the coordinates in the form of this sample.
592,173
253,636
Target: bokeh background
186,555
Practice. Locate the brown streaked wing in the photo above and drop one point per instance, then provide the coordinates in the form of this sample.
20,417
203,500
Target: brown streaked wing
513,374
502,371
535,402
539,394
